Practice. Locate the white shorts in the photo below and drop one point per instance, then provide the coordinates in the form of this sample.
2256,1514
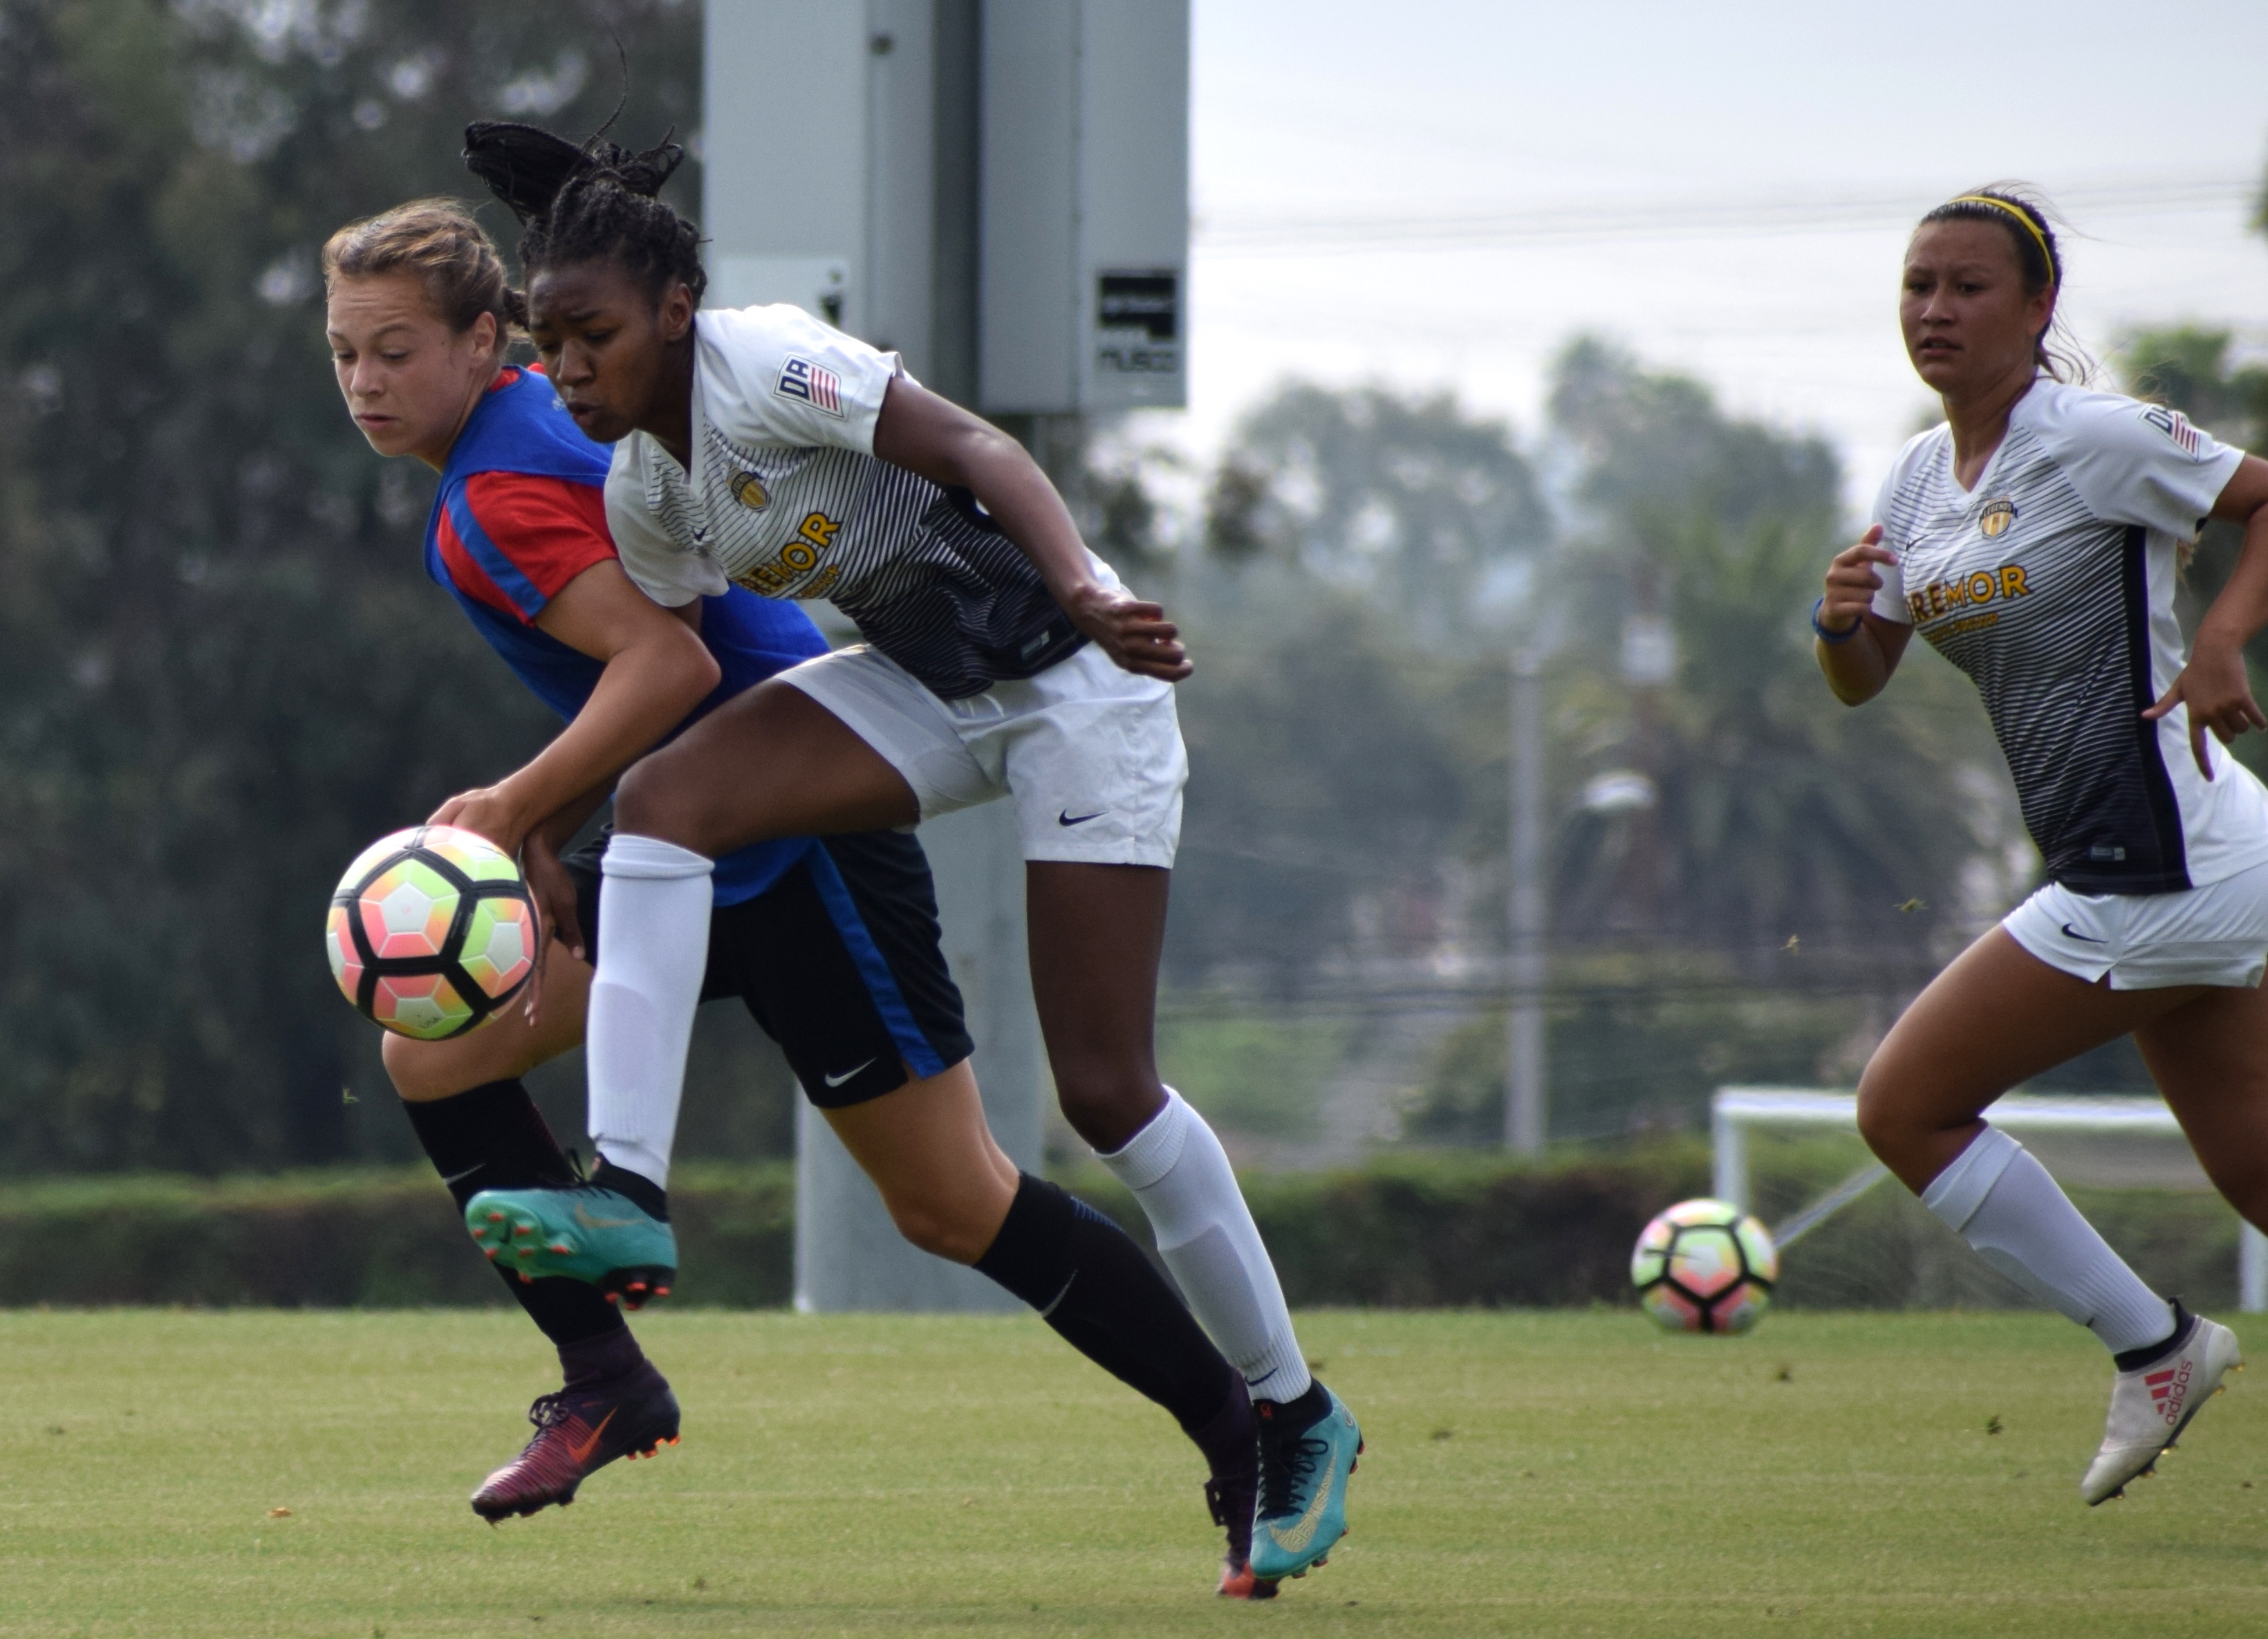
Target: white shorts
2216,934
1091,754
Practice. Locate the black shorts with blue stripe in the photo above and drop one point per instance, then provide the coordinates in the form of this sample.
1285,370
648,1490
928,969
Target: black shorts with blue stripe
839,961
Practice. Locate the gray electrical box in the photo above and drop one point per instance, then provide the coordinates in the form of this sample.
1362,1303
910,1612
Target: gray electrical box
999,189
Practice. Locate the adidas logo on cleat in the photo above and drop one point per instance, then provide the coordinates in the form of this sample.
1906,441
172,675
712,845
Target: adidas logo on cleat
2168,1389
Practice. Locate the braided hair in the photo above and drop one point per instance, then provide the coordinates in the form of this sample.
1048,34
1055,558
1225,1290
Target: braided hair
2019,212
593,202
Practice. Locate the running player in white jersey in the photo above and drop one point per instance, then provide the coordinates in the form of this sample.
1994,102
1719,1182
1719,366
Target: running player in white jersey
2034,540
762,449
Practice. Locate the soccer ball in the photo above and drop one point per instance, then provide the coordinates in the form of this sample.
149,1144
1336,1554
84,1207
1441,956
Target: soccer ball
1704,1266
431,931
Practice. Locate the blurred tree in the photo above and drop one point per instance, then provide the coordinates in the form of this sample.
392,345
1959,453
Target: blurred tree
1777,813
1411,501
221,668
2188,368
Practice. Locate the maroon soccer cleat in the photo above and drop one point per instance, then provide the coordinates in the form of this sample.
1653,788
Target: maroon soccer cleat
577,1432
1231,1498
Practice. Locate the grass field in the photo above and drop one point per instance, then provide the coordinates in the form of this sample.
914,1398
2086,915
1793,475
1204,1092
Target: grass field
1555,1473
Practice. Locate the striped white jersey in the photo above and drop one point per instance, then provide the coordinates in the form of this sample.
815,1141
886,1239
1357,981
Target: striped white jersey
787,499
2052,584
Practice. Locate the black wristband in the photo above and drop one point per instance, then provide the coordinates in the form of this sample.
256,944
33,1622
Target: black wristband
1825,635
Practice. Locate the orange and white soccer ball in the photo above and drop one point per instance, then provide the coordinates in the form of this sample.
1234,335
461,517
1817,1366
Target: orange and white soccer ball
431,931
1704,1265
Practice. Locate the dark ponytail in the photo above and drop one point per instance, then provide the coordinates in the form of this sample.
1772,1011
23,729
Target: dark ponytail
593,202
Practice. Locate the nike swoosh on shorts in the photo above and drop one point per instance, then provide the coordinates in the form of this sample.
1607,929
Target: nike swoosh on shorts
838,1081
2072,932
1066,817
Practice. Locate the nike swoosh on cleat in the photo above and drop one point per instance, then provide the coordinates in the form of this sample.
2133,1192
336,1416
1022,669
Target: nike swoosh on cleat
582,1454
1296,1539
1066,817
2072,932
838,1081
583,1216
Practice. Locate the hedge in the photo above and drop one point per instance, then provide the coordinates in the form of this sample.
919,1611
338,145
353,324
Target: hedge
1413,1230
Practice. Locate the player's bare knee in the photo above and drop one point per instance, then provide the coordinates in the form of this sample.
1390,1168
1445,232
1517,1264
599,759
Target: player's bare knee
653,800
1884,1121
935,1229
1108,1109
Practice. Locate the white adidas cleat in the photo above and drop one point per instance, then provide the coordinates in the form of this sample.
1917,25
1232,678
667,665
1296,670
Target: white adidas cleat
2152,1405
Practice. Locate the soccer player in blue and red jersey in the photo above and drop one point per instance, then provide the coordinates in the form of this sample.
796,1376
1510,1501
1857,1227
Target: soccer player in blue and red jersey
832,944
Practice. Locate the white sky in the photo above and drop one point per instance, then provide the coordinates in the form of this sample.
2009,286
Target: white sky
1344,110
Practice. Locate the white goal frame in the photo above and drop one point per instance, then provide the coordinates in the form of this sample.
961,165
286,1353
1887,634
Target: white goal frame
1735,1111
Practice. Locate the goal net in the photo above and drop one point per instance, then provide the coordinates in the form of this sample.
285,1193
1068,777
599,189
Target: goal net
1792,1156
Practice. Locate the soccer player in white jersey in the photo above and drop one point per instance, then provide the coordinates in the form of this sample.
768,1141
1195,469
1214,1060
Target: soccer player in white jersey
763,449
2034,539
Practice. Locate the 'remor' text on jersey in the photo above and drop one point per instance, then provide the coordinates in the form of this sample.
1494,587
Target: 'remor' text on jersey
2051,584
786,498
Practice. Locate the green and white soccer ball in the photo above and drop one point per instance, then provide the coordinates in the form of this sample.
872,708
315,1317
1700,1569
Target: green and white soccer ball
1704,1265
431,931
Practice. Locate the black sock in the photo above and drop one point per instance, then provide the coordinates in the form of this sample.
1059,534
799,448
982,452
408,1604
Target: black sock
493,1137
1090,1282
2150,1354
641,1191
1303,1411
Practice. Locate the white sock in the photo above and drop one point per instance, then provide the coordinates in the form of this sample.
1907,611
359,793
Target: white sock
2002,1201
1179,1172
653,948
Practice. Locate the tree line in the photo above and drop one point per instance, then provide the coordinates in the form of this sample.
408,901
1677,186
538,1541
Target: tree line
223,671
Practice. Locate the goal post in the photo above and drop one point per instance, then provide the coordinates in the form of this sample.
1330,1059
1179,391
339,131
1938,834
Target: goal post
1736,1111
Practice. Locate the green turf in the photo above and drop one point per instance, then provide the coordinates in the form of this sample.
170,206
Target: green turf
1528,1473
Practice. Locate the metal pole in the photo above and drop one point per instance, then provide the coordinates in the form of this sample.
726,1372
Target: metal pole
1525,1114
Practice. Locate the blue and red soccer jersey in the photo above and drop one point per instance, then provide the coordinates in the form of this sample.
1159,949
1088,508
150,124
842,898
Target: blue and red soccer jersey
521,513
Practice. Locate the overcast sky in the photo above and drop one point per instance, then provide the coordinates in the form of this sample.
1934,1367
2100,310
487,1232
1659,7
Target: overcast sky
1725,189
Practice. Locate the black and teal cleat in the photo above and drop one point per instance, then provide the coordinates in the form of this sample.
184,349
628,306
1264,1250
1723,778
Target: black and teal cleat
583,1231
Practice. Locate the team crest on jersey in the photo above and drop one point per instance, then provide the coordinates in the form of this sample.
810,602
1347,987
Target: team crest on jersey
748,490
2173,424
1996,517
812,384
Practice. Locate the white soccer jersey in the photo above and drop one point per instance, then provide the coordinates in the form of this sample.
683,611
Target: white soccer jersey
2051,584
786,498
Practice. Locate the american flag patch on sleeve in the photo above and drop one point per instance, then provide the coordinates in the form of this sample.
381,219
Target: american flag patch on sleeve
2173,424
811,384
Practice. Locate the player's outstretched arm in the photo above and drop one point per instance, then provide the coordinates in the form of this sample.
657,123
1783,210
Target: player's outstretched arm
1858,649
2215,685
657,671
936,438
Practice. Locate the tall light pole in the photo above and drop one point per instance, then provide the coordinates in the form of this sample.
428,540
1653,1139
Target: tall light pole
1525,1106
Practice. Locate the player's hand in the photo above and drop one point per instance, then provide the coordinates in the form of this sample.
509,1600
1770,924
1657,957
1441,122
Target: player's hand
2218,693
1852,580
1135,635
488,813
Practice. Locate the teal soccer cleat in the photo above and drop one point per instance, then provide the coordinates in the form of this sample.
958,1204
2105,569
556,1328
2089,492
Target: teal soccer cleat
579,1230
1303,1480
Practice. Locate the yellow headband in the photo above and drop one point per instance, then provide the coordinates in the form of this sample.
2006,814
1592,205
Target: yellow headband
2024,217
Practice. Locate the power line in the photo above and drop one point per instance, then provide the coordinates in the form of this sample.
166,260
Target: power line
1676,218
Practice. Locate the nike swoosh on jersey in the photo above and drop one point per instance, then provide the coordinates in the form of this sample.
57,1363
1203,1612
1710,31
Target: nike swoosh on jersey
838,1081
583,1216
1296,1539
2072,932
1066,817
581,1452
